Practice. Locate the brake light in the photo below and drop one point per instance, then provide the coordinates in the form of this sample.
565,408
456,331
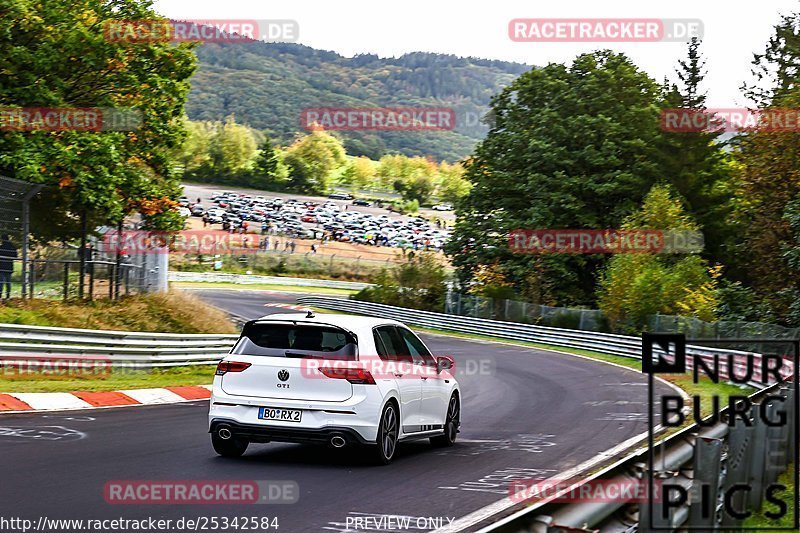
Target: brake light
231,366
357,376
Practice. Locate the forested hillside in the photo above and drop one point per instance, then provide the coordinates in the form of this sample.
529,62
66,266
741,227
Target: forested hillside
267,85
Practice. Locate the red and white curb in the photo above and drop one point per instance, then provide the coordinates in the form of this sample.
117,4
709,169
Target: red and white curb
21,402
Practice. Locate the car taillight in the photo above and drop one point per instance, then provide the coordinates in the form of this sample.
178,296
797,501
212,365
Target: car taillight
357,376
231,366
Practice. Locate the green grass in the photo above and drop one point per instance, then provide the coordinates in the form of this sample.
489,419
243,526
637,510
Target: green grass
760,520
116,380
261,287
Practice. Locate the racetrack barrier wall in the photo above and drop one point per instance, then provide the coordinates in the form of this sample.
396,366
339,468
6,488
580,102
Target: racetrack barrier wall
607,343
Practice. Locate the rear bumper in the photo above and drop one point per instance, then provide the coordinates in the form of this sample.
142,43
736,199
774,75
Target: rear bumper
359,413
260,433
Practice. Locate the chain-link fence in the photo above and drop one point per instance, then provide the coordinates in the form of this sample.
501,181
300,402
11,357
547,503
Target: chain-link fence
50,279
725,329
525,312
595,320
54,272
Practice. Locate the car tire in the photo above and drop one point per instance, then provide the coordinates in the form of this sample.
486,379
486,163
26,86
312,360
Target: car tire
452,423
388,433
232,447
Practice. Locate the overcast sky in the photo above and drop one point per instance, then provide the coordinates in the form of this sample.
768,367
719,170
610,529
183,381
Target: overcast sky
733,31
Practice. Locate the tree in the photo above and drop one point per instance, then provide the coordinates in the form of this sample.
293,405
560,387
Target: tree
311,160
571,147
691,74
418,283
390,168
233,148
55,55
635,286
266,164
769,178
194,152
418,187
452,186
360,173
697,164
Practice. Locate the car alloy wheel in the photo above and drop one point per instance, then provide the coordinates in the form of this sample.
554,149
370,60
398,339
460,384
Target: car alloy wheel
387,434
451,424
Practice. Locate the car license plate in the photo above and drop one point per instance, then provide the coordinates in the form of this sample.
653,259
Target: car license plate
282,415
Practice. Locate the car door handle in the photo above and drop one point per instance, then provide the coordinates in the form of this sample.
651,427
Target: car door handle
398,375
424,377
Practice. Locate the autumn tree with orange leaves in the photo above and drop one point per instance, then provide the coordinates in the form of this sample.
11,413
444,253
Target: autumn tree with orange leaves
57,55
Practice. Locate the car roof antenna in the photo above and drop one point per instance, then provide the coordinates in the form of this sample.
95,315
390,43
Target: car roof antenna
310,314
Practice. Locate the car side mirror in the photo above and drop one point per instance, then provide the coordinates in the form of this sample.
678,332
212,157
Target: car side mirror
444,362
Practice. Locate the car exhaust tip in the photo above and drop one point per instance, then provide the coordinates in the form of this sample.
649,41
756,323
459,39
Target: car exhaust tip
337,441
224,433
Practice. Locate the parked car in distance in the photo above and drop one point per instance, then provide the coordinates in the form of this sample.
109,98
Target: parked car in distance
340,196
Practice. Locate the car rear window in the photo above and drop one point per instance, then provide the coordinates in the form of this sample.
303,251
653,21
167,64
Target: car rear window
296,340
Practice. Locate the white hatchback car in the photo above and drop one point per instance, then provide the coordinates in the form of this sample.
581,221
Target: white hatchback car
333,379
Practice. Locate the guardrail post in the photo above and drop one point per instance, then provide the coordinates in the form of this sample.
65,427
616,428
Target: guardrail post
791,445
541,524
737,467
757,463
656,504
703,504
774,457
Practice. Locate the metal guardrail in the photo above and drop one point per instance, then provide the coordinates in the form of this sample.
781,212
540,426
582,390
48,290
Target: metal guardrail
607,343
248,279
718,455
32,345
718,458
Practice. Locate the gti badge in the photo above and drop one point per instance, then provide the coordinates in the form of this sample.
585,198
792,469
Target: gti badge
283,375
